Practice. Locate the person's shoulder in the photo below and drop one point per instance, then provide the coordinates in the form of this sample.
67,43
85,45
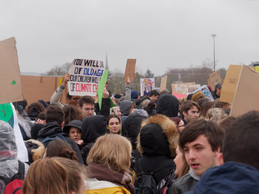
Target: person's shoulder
184,184
183,180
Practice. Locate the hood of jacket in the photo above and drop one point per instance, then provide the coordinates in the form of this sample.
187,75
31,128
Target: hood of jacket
158,136
50,129
93,127
8,151
231,177
168,105
131,125
125,107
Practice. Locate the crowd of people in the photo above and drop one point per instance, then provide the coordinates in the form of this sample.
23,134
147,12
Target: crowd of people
150,144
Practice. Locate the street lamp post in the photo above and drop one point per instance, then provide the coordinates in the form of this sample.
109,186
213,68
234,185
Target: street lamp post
214,60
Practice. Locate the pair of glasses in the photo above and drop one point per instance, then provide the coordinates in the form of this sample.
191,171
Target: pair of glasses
87,109
75,98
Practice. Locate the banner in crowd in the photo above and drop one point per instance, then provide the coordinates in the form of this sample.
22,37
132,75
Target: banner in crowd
163,83
205,90
130,70
84,77
11,85
146,85
181,90
247,92
8,114
214,78
230,83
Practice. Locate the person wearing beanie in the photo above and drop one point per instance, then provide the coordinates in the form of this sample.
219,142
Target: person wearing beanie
157,142
74,130
35,130
92,128
168,105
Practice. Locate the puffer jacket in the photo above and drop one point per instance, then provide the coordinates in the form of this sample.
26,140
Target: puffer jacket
231,177
156,143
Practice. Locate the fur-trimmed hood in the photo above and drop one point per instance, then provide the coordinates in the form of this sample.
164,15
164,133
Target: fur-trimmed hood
158,136
35,149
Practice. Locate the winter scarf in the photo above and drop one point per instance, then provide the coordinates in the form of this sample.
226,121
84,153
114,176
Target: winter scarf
103,172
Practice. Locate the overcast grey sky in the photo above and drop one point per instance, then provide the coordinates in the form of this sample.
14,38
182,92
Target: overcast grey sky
160,34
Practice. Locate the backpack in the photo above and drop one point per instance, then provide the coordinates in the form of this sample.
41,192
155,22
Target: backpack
48,139
14,184
146,183
165,183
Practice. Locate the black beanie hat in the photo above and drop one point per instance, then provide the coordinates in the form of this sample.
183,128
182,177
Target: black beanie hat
74,123
168,105
35,130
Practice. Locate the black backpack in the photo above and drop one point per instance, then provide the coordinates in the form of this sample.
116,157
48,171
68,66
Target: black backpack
145,183
165,184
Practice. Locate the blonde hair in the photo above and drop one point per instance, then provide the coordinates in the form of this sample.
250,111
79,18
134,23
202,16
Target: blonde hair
112,150
53,175
216,114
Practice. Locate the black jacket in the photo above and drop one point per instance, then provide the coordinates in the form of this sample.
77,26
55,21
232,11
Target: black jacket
157,142
51,129
92,128
184,184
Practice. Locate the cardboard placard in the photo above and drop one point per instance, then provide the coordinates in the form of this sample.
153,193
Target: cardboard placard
214,78
247,92
41,88
163,83
184,88
146,85
130,70
230,83
84,77
10,84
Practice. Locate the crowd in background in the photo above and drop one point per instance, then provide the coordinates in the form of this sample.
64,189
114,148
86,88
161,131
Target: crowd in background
179,145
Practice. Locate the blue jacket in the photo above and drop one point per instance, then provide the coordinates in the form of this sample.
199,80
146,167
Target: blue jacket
232,177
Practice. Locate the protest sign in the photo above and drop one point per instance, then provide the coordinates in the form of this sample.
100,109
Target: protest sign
179,96
184,89
41,88
247,92
84,77
230,83
8,114
214,78
163,83
146,85
205,90
130,70
10,84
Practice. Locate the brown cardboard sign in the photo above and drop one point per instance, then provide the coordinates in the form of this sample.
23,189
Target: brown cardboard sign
10,84
247,92
41,88
214,78
163,83
230,83
130,70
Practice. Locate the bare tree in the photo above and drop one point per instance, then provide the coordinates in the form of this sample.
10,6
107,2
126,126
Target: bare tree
59,70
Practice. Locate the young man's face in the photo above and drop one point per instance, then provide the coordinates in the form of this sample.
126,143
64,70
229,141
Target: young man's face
191,114
87,110
154,98
200,156
74,100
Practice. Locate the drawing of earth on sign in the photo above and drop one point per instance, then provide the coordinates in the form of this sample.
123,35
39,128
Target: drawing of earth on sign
6,113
